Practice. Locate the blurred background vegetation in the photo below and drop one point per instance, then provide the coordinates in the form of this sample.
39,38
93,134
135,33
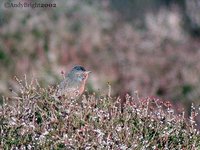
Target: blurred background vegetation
150,46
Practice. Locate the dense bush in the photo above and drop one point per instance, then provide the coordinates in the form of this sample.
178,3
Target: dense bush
158,59
39,120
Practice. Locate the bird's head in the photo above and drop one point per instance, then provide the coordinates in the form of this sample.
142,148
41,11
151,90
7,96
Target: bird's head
79,73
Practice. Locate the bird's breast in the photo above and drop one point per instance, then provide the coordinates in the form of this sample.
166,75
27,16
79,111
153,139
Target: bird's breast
82,88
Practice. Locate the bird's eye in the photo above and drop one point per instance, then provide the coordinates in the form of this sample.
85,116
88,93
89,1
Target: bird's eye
80,76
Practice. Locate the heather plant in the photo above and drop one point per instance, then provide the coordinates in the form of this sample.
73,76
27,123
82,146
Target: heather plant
39,120
161,57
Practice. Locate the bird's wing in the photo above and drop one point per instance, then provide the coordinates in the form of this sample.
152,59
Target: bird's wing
67,87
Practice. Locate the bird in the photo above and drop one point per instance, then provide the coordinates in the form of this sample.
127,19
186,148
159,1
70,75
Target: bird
74,83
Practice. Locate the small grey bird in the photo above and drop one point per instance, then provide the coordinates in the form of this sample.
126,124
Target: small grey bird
74,83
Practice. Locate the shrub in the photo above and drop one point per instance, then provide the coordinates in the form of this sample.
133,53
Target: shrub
39,120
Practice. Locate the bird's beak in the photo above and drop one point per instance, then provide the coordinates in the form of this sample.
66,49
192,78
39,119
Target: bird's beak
87,72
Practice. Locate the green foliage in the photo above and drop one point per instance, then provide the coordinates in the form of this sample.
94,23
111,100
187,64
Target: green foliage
4,58
2,55
39,120
186,89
